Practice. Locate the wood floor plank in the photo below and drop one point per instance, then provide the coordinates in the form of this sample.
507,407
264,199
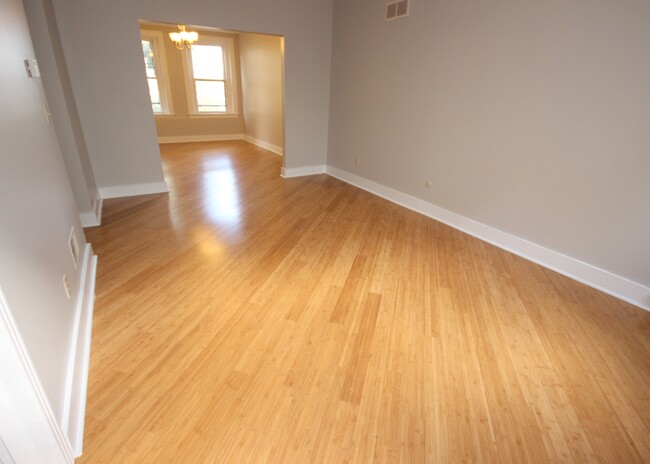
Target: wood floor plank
247,318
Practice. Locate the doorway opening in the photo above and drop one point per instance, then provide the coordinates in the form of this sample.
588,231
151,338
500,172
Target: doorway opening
228,86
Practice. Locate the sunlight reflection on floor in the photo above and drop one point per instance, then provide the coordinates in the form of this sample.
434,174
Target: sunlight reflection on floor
221,193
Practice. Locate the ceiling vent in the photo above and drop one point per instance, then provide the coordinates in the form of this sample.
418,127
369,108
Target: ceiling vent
396,10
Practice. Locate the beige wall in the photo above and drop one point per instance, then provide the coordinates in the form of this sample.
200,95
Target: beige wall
181,124
261,68
531,117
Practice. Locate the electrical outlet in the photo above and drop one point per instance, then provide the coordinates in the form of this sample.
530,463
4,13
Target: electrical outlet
356,161
66,286
427,183
74,247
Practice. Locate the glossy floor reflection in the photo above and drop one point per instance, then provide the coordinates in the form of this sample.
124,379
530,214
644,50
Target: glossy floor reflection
246,318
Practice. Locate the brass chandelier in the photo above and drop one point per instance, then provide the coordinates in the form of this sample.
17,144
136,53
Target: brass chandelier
184,39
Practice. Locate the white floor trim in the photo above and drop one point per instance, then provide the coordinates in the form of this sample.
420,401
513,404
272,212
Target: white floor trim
200,138
303,171
94,218
620,287
28,427
266,145
74,412
119,191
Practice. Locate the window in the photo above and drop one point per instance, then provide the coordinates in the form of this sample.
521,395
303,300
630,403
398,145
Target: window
154,64
211,80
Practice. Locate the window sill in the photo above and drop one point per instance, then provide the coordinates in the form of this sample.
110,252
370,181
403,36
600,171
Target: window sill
165,115
213,115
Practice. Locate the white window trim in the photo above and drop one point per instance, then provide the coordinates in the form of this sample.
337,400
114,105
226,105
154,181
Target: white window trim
162,75
205,114
232,86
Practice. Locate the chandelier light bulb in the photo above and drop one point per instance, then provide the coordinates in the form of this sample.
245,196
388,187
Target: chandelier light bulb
184,39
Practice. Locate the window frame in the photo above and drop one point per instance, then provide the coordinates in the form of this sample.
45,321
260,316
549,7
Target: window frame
231,85
160,65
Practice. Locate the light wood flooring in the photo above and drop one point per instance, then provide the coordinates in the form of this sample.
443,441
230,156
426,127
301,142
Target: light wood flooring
246,318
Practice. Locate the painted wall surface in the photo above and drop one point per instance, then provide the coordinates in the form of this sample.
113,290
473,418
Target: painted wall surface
45,35
37,211
261,63
530,117
102,48
181,124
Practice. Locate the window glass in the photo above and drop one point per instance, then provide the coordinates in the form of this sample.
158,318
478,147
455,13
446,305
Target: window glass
211,80
156,87
149,63
154,94
211,96
207,62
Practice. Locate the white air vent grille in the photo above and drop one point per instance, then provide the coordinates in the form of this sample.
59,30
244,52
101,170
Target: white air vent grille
395,10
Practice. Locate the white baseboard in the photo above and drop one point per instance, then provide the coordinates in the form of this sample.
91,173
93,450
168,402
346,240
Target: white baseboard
74,410
266,145
620,287
119,191
303,171
94,218
200,138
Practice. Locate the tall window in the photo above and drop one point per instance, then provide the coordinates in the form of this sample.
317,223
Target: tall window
212,86
154,66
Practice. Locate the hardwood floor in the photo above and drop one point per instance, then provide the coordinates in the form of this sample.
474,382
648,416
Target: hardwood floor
246,318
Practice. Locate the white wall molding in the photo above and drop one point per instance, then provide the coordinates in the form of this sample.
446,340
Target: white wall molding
617,286
200,138
303,171
74,412
266,145
93,218
29,429
119,191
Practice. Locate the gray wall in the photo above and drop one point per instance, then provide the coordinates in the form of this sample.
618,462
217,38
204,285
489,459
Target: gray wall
45,35
531,117
102,49
37,211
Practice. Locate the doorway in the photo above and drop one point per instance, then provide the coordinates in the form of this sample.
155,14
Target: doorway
228,86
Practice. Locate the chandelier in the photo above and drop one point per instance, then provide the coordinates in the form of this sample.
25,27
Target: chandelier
184,39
